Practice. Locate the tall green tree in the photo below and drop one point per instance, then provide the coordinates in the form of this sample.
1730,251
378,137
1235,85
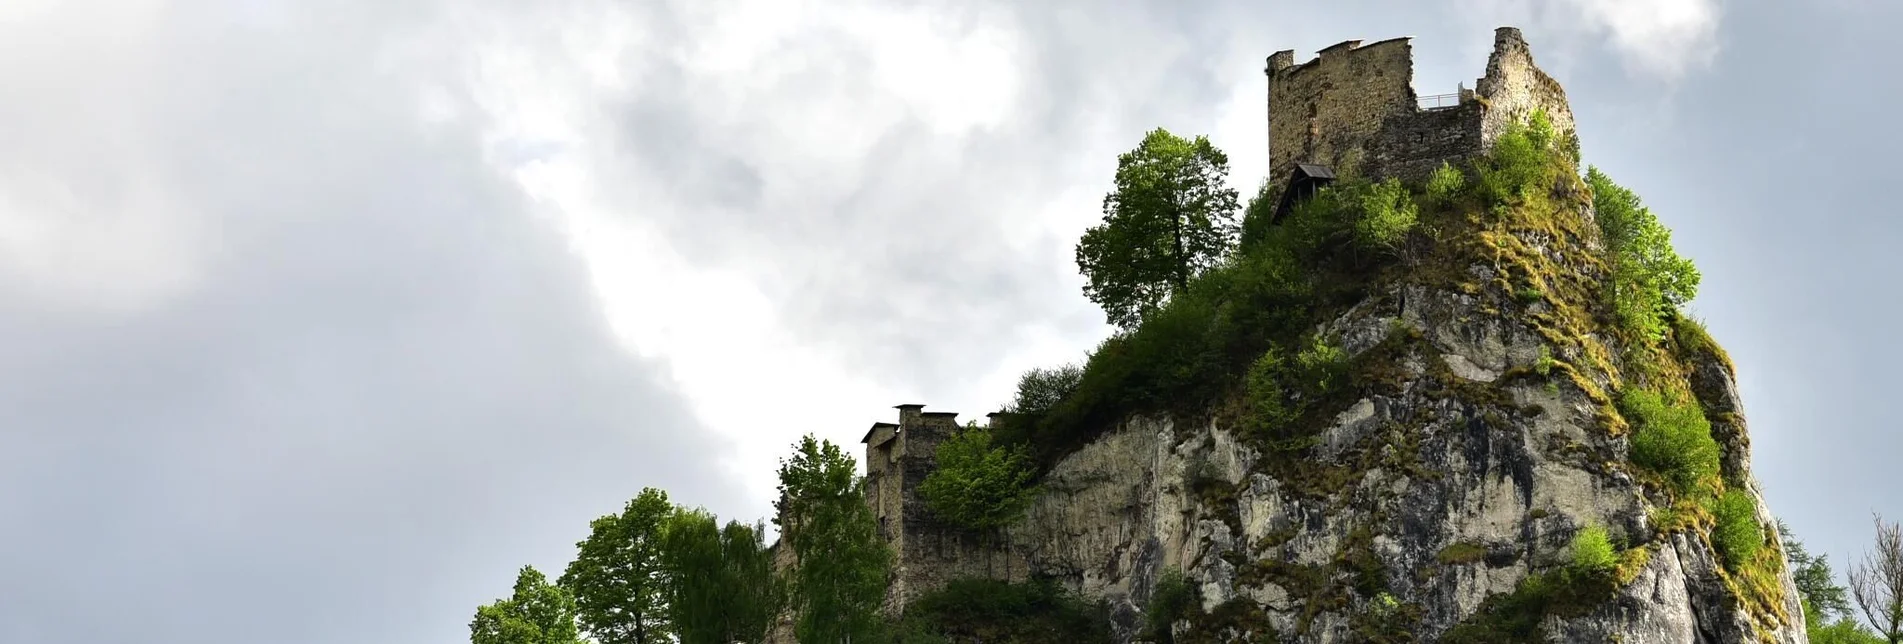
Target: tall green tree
757,595
720,586
1649,278
616,577
1170,217
690,555
538,613
840,563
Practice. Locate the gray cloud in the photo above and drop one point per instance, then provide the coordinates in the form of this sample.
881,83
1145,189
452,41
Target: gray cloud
291,348
385,386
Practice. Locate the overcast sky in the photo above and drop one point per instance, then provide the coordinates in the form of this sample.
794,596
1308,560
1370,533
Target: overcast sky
316,324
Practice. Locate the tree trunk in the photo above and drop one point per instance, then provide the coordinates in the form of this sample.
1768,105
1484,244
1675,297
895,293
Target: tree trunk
1182,263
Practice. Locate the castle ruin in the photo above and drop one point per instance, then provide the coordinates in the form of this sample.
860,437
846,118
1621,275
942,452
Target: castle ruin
1351,111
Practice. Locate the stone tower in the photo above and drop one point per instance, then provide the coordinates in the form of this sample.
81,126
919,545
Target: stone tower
1353,109
928,552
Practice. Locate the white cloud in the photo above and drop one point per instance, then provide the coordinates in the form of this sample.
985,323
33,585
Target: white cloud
1664,39
724,339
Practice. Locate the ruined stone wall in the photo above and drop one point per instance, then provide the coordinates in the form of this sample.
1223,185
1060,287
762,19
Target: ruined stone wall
1327,110
1354,109
1514,88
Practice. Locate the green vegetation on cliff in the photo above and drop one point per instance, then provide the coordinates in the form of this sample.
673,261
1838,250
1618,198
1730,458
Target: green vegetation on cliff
997,612
978,484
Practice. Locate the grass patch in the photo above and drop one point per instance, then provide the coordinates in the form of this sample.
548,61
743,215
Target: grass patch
1464,552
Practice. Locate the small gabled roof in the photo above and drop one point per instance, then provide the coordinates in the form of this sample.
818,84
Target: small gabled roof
1312,171
875,429
1303,174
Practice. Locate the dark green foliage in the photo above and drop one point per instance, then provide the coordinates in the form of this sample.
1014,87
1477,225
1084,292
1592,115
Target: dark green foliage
1171,600
538,613
1671,439
978,484
1270,406
720,585
978,610
1738,536
1170,218
1514,618
1649,280
1041,389
616,576
1196,350
840,562
1463,552
1255,216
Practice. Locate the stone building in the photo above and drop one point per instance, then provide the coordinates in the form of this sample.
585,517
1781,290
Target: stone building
1353,109
929,553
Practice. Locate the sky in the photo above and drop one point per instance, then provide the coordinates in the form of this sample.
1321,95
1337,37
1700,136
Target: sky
318,322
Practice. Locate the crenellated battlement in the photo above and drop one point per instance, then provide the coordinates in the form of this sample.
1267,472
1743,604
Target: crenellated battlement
1353,109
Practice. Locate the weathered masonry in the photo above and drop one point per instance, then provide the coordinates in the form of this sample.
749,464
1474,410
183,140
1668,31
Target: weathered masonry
929,553
1353,109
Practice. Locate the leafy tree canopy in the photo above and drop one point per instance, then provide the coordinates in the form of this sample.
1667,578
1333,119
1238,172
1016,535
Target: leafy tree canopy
978,484
538,613
840,562
1169,218
616,577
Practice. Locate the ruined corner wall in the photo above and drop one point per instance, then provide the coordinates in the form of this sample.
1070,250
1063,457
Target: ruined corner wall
1515,87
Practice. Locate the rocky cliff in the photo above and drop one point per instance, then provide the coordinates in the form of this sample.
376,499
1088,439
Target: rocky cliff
1440,495
1444,493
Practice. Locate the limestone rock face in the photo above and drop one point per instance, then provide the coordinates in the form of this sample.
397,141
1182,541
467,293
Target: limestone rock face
1455,488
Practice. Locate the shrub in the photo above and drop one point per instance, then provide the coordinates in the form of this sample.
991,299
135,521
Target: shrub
1593,553
1521,163
1544,365
1445,185
1322,365
1255,216
1386,214
1269,407
1672,439
981,610
1737,535
977,484
1040,389
1172,600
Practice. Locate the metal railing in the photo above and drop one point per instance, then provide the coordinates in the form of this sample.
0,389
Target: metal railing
1440,101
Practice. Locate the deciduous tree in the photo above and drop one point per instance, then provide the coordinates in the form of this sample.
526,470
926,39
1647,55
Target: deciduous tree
537,613
840,563
978,484
1876,583
719,582
1170,216
616,577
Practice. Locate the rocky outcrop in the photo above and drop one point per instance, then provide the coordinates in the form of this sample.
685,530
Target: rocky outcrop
1471,473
